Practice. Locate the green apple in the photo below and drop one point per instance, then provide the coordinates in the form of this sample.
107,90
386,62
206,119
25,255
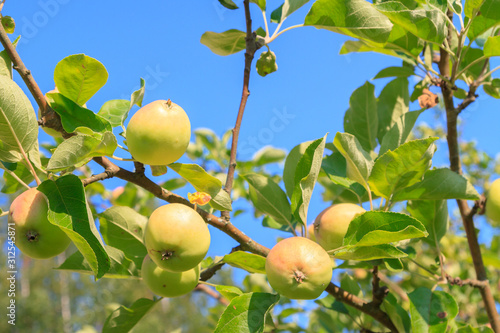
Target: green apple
493,202
298,268
176,237
168,284
35,236
159,133
332,223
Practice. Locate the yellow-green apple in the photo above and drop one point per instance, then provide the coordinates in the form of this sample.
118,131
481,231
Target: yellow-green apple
158,133
332,223
176,237
35,236
168,284
493,202
298,268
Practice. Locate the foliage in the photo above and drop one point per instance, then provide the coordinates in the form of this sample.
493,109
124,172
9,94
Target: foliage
410,239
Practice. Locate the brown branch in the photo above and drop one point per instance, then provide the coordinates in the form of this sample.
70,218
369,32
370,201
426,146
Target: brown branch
48,117
467,282
378,293
394,287
212,293
368,308
251,48
1,5
465,212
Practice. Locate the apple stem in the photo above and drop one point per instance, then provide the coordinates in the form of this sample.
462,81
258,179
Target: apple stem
4,213
169,103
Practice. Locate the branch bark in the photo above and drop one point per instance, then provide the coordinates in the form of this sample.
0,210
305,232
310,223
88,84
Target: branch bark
49,118
251,48
212,293
465,211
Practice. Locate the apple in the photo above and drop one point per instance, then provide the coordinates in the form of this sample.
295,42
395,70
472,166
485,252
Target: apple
332,223
176,237
493,202
159,133
310,232
35,236
168,284
298,268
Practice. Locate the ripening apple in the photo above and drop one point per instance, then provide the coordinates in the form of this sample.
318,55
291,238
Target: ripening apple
298,268
493,202
176,237
159,133
310,232
168,284
332,223
35,236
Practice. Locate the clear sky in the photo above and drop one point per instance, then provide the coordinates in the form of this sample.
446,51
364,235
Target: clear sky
160,42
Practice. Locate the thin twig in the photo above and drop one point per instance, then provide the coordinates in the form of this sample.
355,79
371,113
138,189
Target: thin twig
378,293
468,222
468,282
1,5
251,47
4,213
394,287
212,293
16,177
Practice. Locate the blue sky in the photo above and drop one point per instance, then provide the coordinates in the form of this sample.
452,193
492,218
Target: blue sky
160,42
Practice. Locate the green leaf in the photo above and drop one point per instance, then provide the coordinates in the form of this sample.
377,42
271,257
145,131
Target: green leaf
393,102
5,62
228,4
246,313
471,7
123,228
287,8
73,116
115,111
269,198
434,216
123,319
291,162
68,209
369,252
335,167
404,71
359,162
361,119
492,46
431,310
203,182
399,132
78,77
158,170
306,174
439,184
228,292
266,64
470,329
137,96
489,17
402,167
8,24
377,227
260,3
80,149
11,185
224,43
250,262
456,6
429,25
398,315
121,267
472,55
17,122
267,155
356,18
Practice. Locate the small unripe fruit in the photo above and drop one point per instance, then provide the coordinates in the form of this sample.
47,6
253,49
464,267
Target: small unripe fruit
159,133
298,268
168,284
176,237
332,223
493,202
35,236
